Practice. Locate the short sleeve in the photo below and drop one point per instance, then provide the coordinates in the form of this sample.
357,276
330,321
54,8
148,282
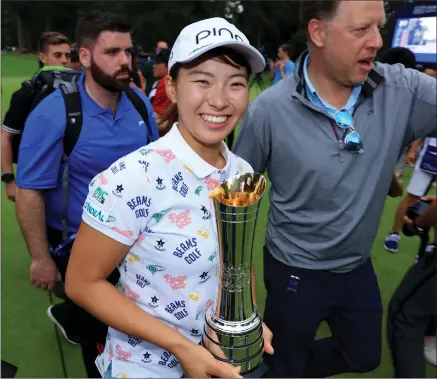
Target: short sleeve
150,113
41,146
18,111
118,202
290,68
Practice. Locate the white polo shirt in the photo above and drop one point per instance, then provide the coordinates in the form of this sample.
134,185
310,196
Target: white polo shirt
156,201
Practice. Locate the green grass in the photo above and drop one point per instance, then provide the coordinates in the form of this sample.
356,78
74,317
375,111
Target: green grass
19,65
28,338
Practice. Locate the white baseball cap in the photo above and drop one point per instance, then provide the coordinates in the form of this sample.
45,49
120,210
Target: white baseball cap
198,38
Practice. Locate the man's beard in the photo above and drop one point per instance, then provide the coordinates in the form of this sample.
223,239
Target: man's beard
110,82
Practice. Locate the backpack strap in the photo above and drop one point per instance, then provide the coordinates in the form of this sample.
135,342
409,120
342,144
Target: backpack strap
73,107
74,119
141,108
58,81
28,84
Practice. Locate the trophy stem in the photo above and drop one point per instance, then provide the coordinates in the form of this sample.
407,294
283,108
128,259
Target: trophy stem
233,327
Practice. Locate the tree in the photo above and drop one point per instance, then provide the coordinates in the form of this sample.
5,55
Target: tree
269,24
31,18
265,23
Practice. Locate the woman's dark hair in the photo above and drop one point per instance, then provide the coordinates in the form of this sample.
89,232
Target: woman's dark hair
224,54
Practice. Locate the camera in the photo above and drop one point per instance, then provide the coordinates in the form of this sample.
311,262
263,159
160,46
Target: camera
415,210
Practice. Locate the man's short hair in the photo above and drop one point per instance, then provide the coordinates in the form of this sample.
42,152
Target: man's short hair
51,38
317,9
90,26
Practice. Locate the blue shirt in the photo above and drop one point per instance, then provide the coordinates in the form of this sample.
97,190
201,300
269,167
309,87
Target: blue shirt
316,100
289,69
104,138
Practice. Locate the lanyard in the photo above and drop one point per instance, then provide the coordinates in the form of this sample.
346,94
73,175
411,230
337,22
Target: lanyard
59,250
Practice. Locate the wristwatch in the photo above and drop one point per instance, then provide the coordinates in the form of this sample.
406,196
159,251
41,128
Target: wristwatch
7,178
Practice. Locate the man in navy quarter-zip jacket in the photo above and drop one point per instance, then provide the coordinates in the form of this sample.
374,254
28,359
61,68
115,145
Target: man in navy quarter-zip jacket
329,138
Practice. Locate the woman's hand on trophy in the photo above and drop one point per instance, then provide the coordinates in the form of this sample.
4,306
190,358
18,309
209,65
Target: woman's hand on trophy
197,362
268,337
212,347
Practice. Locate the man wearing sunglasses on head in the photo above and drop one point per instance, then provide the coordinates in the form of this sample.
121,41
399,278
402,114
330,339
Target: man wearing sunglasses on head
330,137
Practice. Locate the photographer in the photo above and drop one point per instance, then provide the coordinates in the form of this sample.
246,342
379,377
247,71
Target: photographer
412,311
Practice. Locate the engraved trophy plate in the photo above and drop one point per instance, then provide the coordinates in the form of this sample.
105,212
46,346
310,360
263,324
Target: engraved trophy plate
233,328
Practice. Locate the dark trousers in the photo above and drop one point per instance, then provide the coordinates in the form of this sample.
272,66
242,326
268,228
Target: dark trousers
349,302
412,316
91,331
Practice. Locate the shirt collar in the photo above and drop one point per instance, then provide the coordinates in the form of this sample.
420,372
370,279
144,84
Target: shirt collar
310,86
368,87
177,144
307,79
94,109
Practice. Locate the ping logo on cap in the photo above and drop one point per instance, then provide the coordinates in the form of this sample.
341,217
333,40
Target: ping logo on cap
206,33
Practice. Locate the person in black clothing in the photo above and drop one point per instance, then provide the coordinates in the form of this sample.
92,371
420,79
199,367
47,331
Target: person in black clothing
54,50
412,310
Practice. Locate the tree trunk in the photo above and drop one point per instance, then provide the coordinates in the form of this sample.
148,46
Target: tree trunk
27,37
20,31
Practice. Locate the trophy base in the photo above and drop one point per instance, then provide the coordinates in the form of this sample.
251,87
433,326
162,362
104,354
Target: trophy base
259,372
239,343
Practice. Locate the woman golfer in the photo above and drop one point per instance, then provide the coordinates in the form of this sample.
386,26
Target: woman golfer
149,215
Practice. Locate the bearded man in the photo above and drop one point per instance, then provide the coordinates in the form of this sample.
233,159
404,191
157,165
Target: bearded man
111,128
